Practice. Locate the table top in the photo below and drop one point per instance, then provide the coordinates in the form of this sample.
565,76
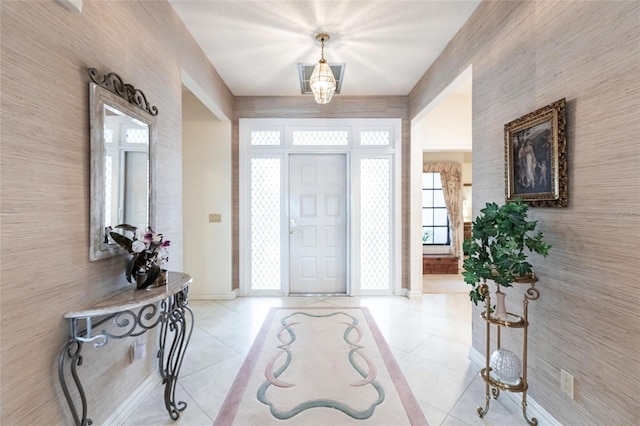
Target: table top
132,298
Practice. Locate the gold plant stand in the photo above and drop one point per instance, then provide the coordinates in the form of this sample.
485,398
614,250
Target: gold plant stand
493,384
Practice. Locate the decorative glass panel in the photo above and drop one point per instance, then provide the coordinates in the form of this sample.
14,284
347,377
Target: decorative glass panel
320,137
108,135
265,224
138,136
265,137
375,224
374,138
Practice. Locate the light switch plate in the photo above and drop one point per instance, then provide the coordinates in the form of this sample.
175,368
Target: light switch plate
215,218
566,383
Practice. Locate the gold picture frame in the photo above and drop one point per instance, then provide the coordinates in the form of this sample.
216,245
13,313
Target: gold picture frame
535,150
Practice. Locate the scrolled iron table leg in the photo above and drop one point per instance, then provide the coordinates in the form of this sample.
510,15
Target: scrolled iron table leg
76,360
175,333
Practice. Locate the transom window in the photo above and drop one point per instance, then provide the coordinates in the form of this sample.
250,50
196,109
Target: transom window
435,220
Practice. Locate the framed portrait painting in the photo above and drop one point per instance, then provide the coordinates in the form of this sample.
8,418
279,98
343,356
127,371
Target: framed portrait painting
535,149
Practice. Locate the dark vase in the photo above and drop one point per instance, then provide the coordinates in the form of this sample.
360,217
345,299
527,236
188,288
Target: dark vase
147,279
142,279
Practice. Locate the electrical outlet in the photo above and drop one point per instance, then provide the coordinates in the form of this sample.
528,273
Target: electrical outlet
215,218
138,350
566,383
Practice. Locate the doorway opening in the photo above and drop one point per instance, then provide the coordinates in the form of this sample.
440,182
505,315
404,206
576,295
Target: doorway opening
319,206
441,137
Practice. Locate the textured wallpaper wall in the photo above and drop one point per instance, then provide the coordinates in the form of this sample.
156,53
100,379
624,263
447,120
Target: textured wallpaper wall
526,55
45,186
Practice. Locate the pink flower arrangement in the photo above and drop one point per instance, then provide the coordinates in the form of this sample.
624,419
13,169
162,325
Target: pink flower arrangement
149,251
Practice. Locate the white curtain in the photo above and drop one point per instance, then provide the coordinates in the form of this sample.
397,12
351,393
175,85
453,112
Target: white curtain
451,178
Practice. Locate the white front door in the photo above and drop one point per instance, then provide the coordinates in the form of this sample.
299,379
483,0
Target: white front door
318,223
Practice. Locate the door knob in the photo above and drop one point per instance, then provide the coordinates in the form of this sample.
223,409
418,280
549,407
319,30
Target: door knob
292,227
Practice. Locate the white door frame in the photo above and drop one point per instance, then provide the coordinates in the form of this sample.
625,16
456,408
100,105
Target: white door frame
277,145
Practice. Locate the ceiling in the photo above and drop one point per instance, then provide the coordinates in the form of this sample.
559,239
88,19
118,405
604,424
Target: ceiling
386,45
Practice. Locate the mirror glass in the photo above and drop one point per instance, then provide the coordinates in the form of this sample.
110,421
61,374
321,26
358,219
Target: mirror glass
122,140
126,179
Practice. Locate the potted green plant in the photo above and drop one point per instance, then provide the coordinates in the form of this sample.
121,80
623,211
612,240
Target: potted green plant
501,240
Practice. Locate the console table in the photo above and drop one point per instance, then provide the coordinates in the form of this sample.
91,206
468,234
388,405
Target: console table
132,312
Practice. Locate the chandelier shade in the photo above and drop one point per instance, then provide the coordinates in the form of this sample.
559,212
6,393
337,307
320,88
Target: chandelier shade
322,81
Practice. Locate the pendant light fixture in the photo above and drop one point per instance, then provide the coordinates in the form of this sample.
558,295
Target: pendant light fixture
322,81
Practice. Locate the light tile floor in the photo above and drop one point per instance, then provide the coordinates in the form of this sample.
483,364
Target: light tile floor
430,338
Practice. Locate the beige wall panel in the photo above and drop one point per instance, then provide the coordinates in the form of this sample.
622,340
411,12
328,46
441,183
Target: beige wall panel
340,107
526,55
45,186
206,156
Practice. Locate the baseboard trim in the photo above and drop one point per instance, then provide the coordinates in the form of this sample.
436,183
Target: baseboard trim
214,296
126,409
533,408
405,292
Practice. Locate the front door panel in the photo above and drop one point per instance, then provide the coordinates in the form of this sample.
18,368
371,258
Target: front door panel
318,223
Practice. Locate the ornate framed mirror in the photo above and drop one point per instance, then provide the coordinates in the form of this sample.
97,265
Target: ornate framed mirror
123,161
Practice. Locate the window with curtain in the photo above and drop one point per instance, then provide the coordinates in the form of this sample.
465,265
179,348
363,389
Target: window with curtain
435,221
